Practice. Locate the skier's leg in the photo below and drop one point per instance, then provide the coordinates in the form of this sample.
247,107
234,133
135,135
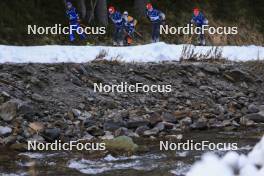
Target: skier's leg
71,36
153,33
81,33
120,36
115,37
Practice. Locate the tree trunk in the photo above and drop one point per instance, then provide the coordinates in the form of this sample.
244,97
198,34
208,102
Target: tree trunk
140,7
101,12
82,7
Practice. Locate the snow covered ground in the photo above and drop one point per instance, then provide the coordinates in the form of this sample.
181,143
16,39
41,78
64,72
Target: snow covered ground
142,53
231,164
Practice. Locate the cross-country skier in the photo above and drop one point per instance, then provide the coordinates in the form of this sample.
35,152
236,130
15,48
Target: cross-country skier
199,20
129,25
117,19
74,22
156,17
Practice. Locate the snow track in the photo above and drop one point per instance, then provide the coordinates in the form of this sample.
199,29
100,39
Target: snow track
143,53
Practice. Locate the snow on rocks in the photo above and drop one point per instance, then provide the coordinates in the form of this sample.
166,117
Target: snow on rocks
231,164
142,53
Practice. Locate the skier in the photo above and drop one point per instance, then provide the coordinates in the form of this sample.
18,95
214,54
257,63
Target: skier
199,20
129,25
117,19
74,22
157,18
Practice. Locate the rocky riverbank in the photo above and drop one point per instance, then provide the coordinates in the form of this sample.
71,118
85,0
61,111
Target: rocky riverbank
45,102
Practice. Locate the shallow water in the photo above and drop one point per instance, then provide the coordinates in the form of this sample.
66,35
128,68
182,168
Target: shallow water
151,163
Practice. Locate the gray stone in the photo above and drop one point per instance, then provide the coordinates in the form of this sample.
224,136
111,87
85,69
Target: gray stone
5,131
151,132
256,117
52,134
140,130
8,110
252,108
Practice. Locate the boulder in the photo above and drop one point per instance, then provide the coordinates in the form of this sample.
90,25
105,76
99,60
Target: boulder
8,110
5,131
121,144
52,134
256,117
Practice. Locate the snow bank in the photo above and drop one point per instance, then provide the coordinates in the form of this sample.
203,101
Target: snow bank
251,165
142,53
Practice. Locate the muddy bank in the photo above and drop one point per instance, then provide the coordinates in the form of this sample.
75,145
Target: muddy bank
45,102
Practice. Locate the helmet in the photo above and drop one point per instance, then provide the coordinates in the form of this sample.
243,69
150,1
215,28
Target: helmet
111,9
196,9
69,4
125,13
149,6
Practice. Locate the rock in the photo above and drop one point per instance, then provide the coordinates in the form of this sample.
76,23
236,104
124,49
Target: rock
256,117
36,127
211,69
154,118
36,138
187,121
121,144
168,117
135,123
237,75
38,98
5,131
201,124
174,137
8,110
151,132
252,108
76,112
160,126
140,130
122,132
112,125
246,122
9,140
52,134
87,137
21,147
181,114
108,135
95,131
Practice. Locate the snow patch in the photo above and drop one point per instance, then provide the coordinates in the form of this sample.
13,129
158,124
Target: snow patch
142,53
232,162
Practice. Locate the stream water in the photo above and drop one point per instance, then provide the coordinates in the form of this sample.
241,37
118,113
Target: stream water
151,163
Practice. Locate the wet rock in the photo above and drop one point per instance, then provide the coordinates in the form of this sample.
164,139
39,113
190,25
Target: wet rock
121,144
256,117
52,134
181,114
174,137
160,126
36,138
5,131
87,137
8,110
200,124
9,140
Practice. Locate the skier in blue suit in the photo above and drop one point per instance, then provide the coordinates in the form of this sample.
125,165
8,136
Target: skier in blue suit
199,20
156,17
118,21
74,21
